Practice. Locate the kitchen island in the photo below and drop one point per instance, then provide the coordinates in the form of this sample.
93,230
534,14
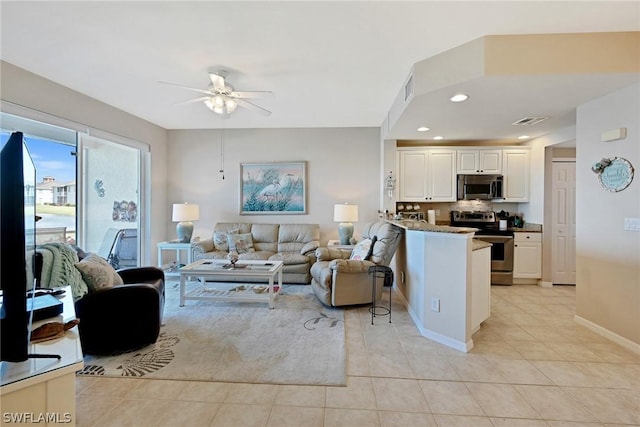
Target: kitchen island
444,282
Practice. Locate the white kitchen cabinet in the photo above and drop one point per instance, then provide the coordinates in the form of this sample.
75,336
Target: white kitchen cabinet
527,256
480,287
427,175
515,169
479,162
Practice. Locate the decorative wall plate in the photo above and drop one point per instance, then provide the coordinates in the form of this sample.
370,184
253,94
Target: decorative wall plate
617,176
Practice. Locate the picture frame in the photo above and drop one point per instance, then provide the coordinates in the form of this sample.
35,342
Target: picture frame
273,188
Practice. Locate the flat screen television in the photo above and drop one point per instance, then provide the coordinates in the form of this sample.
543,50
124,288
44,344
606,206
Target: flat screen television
17,246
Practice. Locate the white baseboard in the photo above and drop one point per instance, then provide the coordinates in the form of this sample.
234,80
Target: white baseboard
544,284
630,345
434,336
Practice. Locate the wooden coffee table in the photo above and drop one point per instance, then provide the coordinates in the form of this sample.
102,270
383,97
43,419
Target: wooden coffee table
217,271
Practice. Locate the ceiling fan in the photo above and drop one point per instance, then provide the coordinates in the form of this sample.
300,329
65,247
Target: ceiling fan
221,98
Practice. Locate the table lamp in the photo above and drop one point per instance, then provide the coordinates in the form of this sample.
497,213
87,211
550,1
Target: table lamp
184,213
345,214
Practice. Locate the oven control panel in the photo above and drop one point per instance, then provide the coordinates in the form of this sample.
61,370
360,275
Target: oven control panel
473,216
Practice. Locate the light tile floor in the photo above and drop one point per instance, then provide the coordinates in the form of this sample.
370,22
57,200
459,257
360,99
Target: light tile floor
532,365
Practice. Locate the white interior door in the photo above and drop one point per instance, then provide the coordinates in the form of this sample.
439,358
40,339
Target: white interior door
563,232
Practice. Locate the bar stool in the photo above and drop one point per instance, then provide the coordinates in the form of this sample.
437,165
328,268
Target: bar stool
385,273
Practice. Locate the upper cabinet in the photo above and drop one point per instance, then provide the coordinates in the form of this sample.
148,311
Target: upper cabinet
427,175
515,169
479,162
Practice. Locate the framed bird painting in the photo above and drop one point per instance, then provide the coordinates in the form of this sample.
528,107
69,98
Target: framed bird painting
273,188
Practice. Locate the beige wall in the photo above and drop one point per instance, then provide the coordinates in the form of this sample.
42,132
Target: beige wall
24,89
343,165
608,258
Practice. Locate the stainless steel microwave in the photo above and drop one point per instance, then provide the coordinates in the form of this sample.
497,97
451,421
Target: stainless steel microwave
480,187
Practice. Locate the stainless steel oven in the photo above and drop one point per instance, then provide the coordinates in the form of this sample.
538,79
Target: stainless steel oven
502,246
502,242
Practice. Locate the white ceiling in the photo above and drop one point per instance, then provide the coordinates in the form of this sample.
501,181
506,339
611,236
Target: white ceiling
328,64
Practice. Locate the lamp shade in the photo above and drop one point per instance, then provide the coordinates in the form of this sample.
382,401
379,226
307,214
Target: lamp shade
345,213
185,212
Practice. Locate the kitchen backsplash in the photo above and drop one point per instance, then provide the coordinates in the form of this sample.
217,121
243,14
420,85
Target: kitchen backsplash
443,210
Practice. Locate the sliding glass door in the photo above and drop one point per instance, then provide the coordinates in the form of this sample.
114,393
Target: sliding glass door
90,190
109,203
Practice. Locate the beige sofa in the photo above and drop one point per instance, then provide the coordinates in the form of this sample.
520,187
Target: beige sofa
293,244
337,280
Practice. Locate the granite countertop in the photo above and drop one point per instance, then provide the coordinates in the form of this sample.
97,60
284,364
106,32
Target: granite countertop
480,244
409,224
413,225
528,227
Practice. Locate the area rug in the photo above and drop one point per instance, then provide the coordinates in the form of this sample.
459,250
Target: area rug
301,342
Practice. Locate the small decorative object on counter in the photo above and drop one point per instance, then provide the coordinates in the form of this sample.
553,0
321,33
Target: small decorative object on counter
518,222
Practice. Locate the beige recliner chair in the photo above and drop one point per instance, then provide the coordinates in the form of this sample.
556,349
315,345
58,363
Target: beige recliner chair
337,280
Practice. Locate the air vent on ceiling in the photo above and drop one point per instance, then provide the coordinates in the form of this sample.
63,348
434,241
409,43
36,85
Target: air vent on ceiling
529,121
408,88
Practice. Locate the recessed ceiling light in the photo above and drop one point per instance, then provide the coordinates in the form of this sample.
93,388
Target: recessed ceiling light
438,137
423,129
524,137
459,97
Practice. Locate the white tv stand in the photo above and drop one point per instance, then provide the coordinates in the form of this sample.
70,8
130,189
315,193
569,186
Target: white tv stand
44,389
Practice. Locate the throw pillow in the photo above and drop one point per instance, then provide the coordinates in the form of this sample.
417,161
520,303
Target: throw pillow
362,250
98,273
220,241
241,243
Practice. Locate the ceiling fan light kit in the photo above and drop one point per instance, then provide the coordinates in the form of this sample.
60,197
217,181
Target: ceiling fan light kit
221,104
222,99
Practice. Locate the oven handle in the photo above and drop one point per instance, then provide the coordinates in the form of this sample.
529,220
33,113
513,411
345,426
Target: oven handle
494,239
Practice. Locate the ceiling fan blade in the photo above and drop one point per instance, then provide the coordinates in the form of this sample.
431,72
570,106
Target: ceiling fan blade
251,94
190,101
218,81
252,106
206,92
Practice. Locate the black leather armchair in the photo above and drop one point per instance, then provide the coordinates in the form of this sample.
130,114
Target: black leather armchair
124,317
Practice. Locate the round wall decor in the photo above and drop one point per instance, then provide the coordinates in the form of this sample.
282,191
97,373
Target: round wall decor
617,175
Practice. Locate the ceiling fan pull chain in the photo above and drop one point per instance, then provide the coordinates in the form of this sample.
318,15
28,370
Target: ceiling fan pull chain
222,153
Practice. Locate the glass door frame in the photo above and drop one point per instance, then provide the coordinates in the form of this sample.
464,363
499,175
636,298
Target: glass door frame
143,164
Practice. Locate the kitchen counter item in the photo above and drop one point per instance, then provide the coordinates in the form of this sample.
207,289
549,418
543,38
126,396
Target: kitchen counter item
518,222
431,217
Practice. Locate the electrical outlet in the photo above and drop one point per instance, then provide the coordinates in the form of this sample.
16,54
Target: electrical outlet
437,212
435,304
